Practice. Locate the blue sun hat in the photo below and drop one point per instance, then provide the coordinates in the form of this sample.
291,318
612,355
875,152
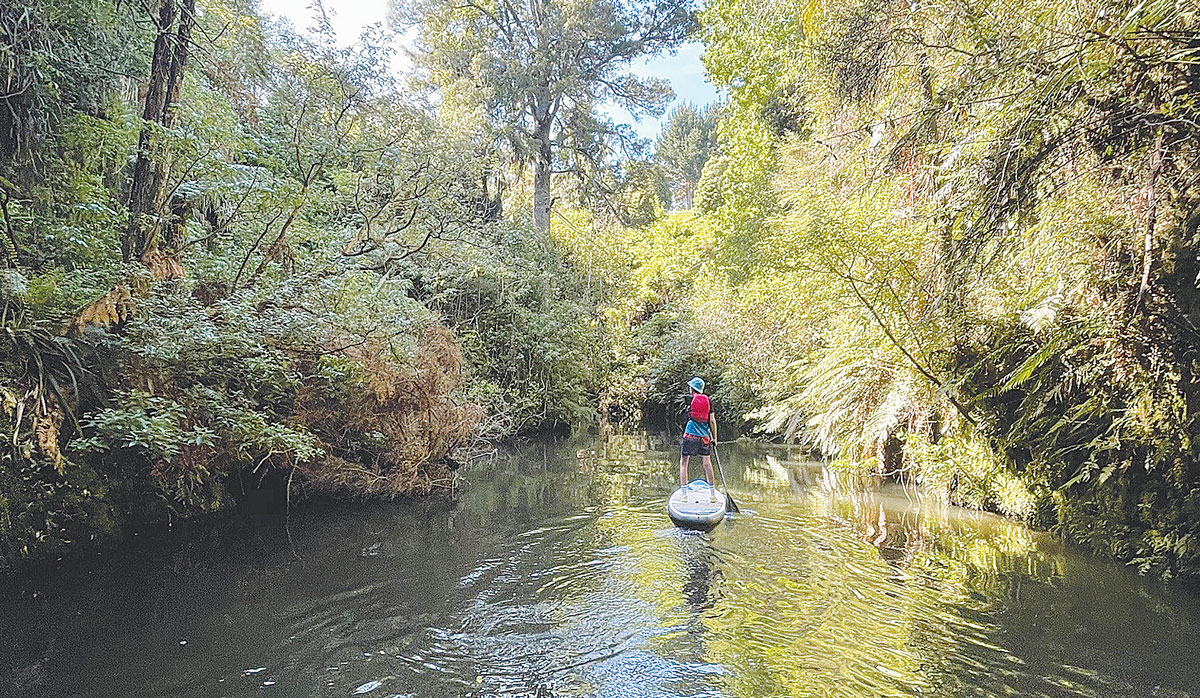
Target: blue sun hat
697,384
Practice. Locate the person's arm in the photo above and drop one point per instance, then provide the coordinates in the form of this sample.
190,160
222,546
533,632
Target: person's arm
712,424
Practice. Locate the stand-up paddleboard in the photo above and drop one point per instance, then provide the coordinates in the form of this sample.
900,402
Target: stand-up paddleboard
696,505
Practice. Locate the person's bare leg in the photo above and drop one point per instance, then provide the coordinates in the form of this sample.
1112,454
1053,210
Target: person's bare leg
708,473
683,467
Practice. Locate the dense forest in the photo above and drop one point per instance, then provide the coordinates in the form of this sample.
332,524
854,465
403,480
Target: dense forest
953,243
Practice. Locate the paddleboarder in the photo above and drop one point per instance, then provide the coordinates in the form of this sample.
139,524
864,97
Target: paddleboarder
700,432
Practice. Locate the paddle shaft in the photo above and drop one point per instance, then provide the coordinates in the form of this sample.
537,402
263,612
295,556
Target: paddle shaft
732,505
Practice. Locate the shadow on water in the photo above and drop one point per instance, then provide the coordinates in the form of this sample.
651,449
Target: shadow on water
555,572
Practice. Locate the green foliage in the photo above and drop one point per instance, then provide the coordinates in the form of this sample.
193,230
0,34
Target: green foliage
59,58
280,339
644,194
687,142
46,502
1086,418
149,425
673,349
711,185
972,474
209,390
526,324
663,318
961,197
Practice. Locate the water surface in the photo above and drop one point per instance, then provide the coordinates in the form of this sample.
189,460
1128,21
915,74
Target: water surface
555,572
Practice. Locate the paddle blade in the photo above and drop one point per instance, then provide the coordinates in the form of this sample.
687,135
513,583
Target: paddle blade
730,505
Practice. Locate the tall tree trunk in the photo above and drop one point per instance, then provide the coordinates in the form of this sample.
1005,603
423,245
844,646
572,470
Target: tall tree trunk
541,180
144,233
147,190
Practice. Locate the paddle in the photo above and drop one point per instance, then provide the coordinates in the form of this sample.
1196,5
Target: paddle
730,505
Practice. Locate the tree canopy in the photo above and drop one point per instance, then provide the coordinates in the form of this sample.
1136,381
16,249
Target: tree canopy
536,72
687,141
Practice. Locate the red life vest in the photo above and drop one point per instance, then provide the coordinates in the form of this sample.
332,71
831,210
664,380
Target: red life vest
699,409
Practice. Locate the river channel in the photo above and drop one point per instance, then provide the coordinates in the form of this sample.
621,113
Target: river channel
554,571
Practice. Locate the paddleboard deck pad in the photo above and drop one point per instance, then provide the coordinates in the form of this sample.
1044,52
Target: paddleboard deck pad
696,505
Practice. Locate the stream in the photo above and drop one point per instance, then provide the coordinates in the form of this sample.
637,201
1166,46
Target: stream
554,571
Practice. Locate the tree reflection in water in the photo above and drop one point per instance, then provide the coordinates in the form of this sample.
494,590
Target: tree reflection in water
556,572
857,587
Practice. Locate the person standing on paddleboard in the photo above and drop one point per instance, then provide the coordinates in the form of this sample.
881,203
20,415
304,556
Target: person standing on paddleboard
699,434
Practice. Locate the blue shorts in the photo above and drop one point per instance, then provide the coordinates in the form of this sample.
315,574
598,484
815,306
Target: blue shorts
694,446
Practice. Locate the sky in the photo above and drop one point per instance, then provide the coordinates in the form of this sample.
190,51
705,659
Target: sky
683,70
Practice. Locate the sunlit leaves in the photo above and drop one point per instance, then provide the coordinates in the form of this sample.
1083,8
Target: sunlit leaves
685,145
969,197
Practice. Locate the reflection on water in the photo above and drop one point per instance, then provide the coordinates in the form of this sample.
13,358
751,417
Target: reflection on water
557,573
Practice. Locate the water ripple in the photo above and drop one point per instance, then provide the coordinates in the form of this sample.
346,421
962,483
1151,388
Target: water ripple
565,578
